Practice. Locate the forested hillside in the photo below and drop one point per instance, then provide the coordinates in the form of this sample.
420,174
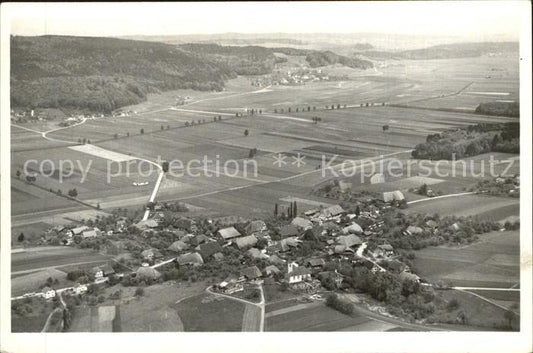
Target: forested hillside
247,60
255,60
323,58
102,74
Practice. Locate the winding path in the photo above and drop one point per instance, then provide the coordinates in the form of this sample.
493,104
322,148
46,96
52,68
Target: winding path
159,177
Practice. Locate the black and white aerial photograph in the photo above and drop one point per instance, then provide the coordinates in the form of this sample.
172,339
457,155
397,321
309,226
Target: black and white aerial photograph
267,167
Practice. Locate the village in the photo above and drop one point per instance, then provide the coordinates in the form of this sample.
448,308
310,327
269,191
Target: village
306,255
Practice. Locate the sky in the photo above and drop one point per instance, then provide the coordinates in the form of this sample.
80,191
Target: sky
466,20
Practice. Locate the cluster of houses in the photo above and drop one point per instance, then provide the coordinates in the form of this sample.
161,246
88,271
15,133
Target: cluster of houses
50,293
342,235
98,274
66,234
290,77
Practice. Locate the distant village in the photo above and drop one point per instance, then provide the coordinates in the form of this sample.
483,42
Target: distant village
21,116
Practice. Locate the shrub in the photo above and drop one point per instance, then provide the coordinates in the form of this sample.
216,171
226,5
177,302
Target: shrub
452,305
139,292
335,302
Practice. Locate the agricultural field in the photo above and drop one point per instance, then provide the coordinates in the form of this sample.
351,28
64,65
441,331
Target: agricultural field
31,282
311,317
345,134
468,205
207,313
493,261
44,258
435,78
480,313
94,318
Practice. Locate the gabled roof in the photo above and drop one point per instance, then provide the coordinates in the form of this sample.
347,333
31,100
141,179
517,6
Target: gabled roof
302,222
149,223
255,226
414,230
332,211
151,252
190,259
287,243
349,240
316,262
107,269
275,259
229,233
179,233
251,272
339,249
244,242
310,212
396,195
300,271
431,223
47,289
271,269
95,270
404,276
256,254
209,249
330,226
313,233
198,239
178,246
148,272
353,228
288,231
386,247
89,234
78,230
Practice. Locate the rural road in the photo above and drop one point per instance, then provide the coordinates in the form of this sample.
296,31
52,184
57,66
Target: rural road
343,167
469,289
44,133
159,178
250,319
440,197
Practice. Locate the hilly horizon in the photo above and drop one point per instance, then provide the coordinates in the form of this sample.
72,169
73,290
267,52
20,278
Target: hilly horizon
102,74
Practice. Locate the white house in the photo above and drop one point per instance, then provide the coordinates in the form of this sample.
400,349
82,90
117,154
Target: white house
79,288
48,293
393,196
97,272
297,274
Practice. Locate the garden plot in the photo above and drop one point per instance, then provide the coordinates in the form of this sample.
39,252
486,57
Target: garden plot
102,153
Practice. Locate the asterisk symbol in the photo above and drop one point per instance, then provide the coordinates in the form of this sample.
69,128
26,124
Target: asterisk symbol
279,159
299,161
